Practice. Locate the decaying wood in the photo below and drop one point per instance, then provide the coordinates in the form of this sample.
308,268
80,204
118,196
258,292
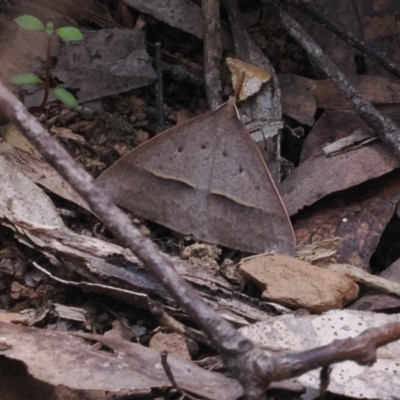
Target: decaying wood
107,268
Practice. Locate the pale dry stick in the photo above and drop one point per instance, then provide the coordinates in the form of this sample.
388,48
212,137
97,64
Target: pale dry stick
247,363
383,125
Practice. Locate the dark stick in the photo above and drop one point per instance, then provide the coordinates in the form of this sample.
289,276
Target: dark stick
240,38
167,369
160,118
308,7
383,125
324,375
41,107
170,375
247,363
166,320
212,52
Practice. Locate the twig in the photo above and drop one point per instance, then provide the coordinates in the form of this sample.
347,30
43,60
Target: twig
324,376
166,320
170,376
383,125
159,91
374,54
89,285
247,363
212,52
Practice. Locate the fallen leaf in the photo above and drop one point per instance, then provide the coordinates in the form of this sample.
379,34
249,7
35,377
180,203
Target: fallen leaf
317,177
65,359
297,101
358,217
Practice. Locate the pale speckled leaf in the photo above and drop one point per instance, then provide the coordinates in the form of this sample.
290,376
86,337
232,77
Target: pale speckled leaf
289,334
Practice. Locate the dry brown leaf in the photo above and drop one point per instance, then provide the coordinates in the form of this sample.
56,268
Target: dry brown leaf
65,359
317,177
359,218
297,101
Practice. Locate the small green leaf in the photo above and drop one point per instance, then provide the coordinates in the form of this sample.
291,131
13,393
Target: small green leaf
66,97
69,33
30,22
49,28
28,78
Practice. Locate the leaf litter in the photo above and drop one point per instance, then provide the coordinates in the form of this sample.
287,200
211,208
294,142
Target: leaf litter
349,197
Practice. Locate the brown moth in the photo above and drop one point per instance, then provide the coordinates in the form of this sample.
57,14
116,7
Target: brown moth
205,178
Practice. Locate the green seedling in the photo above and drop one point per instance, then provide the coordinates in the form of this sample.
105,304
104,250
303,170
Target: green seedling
66,33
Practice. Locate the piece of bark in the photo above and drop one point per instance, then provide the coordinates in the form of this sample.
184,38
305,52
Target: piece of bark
357,139
298,284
